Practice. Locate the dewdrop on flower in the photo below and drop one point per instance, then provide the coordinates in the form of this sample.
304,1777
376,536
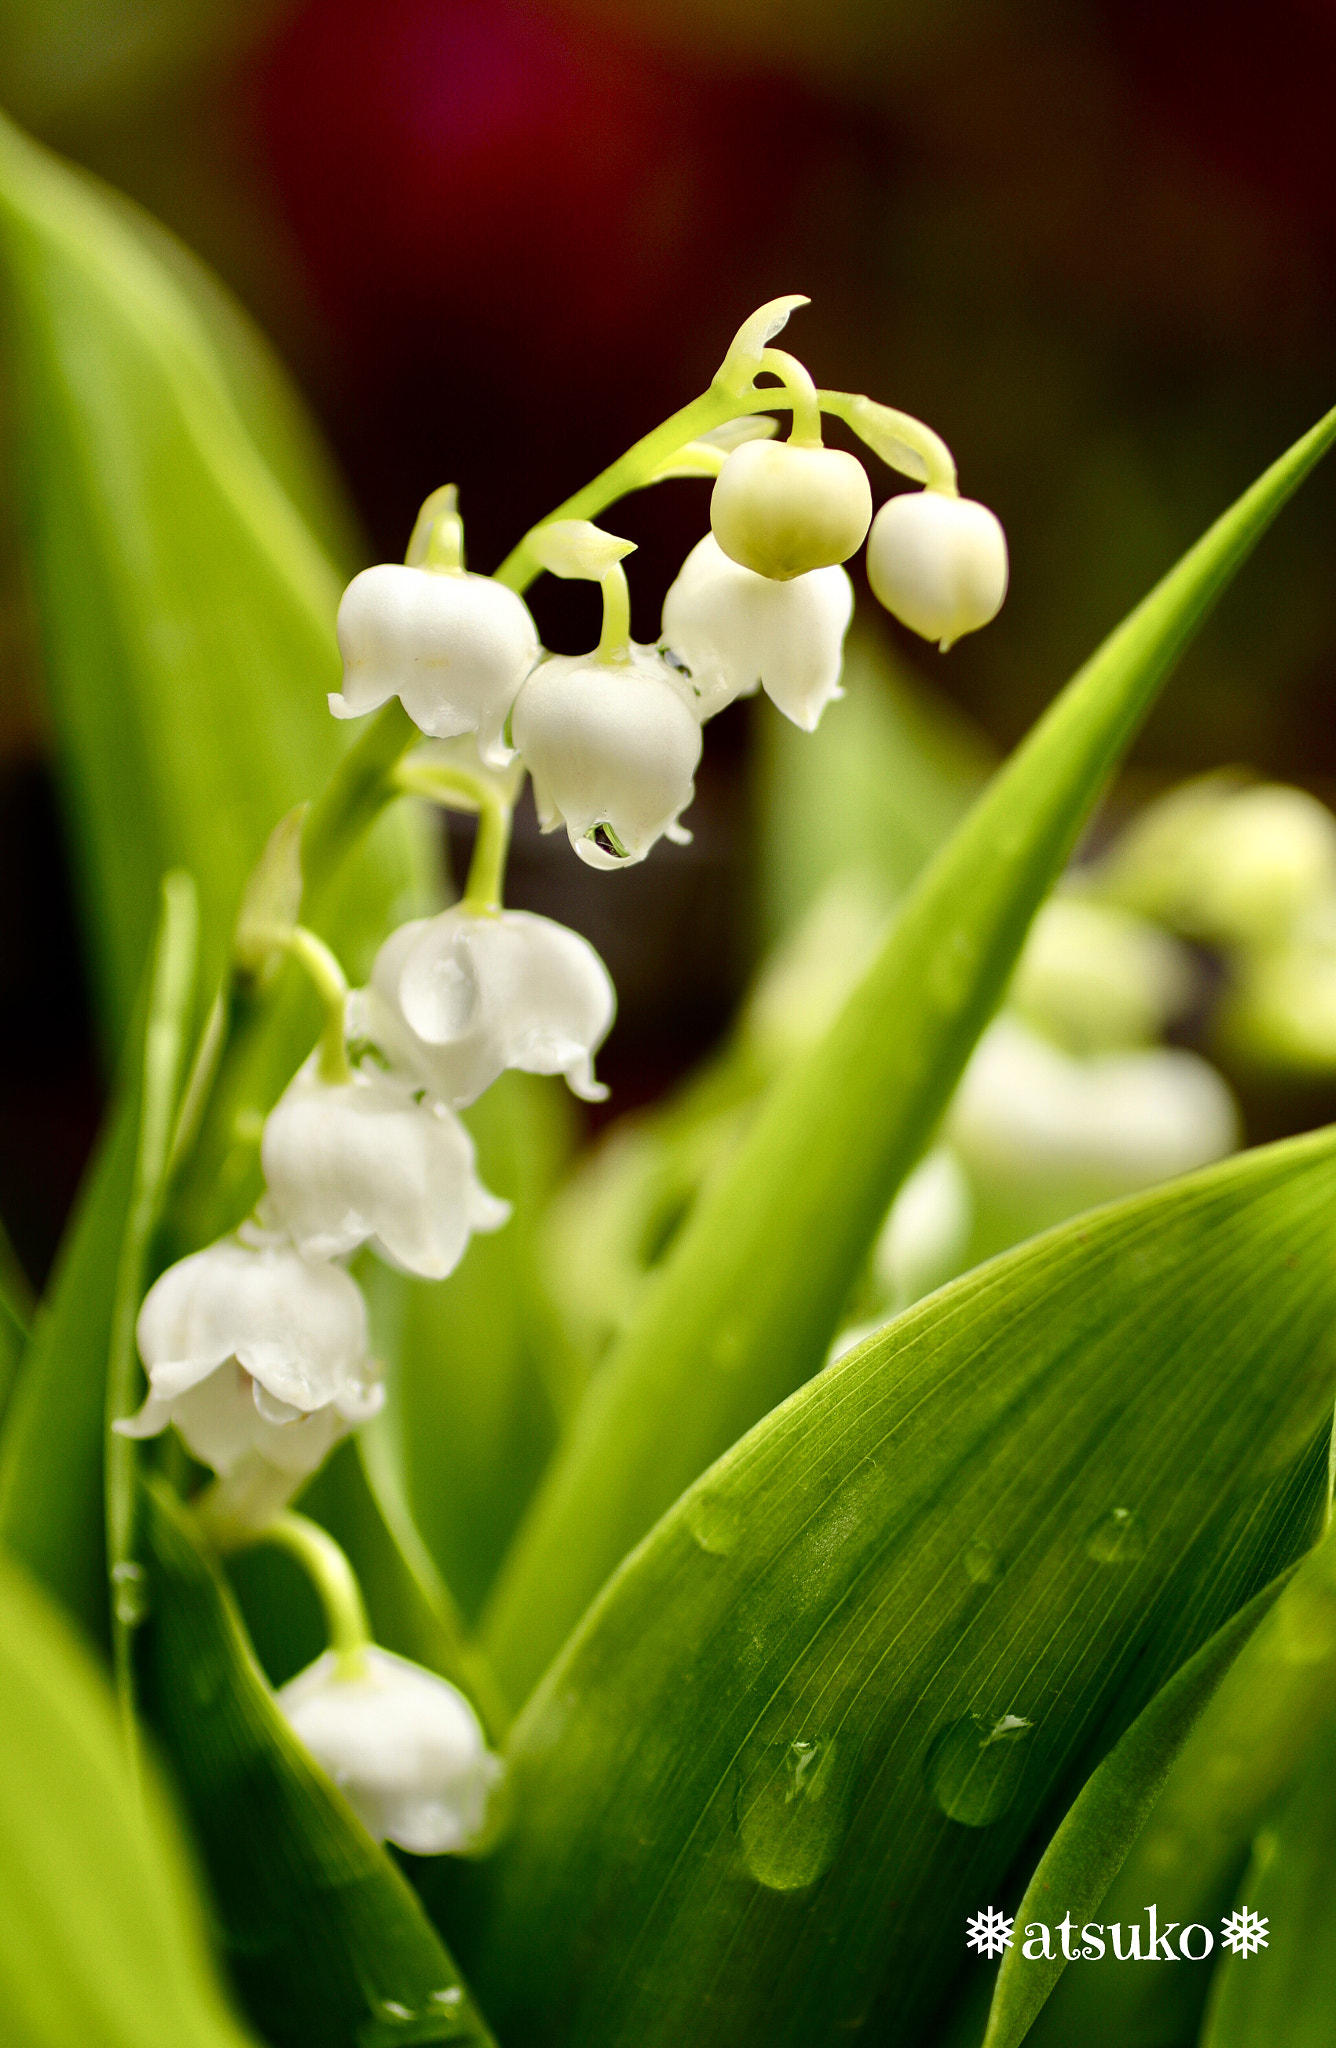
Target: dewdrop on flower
733,630
456,999
404,1747
783,509
367,1162
938,563
259,1358
452,646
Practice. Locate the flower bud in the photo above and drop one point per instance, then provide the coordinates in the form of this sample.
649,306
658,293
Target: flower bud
403,1746
782,510
733,629
256,1356
938,563
368,1162
456,999
452,646
612,748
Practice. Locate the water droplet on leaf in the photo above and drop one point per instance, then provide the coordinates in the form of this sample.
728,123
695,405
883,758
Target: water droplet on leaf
975,1766
716,1523
982,1563
792,1807
1120,1538
129,1594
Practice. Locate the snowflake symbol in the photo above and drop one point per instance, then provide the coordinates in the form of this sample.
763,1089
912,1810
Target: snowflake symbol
1244,1932
989,1932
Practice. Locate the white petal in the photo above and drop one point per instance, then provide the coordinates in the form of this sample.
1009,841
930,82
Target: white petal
368,1162
938,563
608,746
734,630
460,997
404,1746
452,646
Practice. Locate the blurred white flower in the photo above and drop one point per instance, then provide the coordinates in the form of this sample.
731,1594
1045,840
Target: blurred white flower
1029,1116
783,509
938,563
456,999
403,1746
734,630
452,646
612,748
927,1230
1097,977
254,1354
370,1162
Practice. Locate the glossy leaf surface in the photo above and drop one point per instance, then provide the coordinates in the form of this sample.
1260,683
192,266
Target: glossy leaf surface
809,1725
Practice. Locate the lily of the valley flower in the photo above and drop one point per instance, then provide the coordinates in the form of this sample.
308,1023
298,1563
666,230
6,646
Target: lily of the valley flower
734,630
612,747
456,999
257,1357
938,562
369,1162
404,1747
452,646
783,509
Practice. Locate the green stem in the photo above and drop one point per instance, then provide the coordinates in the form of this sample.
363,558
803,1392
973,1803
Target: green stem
456,789
331,985
801,392
335,1582
614,642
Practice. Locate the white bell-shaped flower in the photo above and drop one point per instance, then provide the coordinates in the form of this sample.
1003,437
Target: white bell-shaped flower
403,1746
452,646
254,1353
369,1163
939,563
782,509
456,999
1076,1131
612,748
733,630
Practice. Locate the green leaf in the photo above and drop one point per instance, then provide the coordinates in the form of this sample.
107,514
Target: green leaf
187,609
170,999
876,788
1286,1992
16,1312
101,1938
750,1295
56,1511
1230,1778
809,1725
325,1938
1086,1853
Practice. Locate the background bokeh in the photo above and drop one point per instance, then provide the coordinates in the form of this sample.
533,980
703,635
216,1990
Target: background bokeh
1093,244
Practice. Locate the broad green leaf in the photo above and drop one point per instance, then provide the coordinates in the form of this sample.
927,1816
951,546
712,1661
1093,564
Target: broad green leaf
1230,1778
748,1299
326,1940
101,1937
55,1510
876,788
187,609
170,1000
1084,1856
809,1725
1286,1992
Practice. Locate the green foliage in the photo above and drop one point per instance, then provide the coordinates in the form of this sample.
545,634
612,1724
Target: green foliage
810,1723
101,1938
749,1297
325,1938
187,608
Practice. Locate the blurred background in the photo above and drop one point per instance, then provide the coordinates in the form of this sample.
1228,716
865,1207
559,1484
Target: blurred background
1093,244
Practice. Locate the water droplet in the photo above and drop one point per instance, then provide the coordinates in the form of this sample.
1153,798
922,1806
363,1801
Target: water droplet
982,1563
129,1589
975,1766
715,1521
395,2025
1120,1538
792,1807
451,1996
